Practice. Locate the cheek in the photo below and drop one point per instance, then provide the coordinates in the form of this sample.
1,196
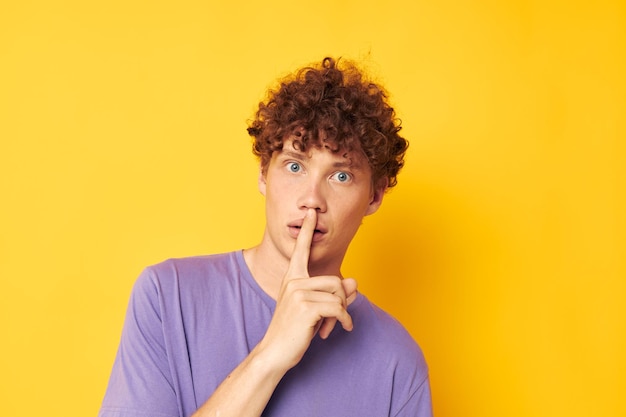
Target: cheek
351,216
278,182
277,196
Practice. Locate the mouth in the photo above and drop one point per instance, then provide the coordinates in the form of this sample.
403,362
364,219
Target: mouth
294,231
314,231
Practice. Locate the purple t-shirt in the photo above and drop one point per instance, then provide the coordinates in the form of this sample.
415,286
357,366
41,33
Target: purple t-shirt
191,321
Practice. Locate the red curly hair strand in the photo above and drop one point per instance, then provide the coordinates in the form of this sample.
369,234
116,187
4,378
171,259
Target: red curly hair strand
332,105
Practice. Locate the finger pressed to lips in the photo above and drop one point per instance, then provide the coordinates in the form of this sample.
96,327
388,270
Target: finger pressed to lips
298,265
326,292
294,232
310,219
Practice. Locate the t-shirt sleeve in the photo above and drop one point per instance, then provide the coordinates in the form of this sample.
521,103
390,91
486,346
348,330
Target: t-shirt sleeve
141,382
419,403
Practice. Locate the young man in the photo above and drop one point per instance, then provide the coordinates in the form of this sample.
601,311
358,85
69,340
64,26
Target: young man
275,330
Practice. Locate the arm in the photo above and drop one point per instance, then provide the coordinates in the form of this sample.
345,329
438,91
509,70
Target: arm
141,382
419,403
246,390
302,305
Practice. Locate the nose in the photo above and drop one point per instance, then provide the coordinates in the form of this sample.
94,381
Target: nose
312,195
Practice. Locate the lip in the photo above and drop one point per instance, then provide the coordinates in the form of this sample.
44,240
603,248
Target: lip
294,230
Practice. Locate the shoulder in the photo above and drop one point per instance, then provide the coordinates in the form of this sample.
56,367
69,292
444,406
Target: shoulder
186,275
384,334
404,361
194,265
380,324
191,268
386,360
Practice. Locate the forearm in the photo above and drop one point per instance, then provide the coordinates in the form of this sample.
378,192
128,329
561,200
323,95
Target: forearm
246,391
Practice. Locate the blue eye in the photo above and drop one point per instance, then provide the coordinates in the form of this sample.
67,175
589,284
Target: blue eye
294,167
342,176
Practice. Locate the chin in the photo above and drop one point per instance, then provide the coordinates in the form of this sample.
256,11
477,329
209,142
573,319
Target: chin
324,258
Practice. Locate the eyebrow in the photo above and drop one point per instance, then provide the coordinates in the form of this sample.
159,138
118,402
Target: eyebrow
293,154
348,163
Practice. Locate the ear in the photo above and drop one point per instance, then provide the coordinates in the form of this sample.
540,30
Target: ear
377,197
262,181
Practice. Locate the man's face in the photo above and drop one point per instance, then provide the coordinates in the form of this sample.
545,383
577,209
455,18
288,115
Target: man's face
337,185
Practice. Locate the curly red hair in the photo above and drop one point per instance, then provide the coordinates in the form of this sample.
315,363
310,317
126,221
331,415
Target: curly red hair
334,106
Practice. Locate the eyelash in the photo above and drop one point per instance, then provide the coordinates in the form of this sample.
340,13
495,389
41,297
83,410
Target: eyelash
348,176
298,167
290,166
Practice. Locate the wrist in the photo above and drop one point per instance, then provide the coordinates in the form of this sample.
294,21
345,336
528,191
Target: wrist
270,361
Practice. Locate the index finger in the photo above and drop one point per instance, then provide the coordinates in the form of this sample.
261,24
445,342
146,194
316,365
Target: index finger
299,263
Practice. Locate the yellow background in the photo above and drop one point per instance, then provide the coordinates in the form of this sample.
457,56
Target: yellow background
502,250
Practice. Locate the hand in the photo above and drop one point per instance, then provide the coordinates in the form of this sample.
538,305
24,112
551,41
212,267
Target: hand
306,305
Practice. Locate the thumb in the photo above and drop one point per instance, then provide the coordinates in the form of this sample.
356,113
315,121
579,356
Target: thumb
349,287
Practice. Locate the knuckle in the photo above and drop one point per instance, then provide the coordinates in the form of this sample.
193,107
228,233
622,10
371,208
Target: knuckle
292,285
337,310
334,280
298,295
